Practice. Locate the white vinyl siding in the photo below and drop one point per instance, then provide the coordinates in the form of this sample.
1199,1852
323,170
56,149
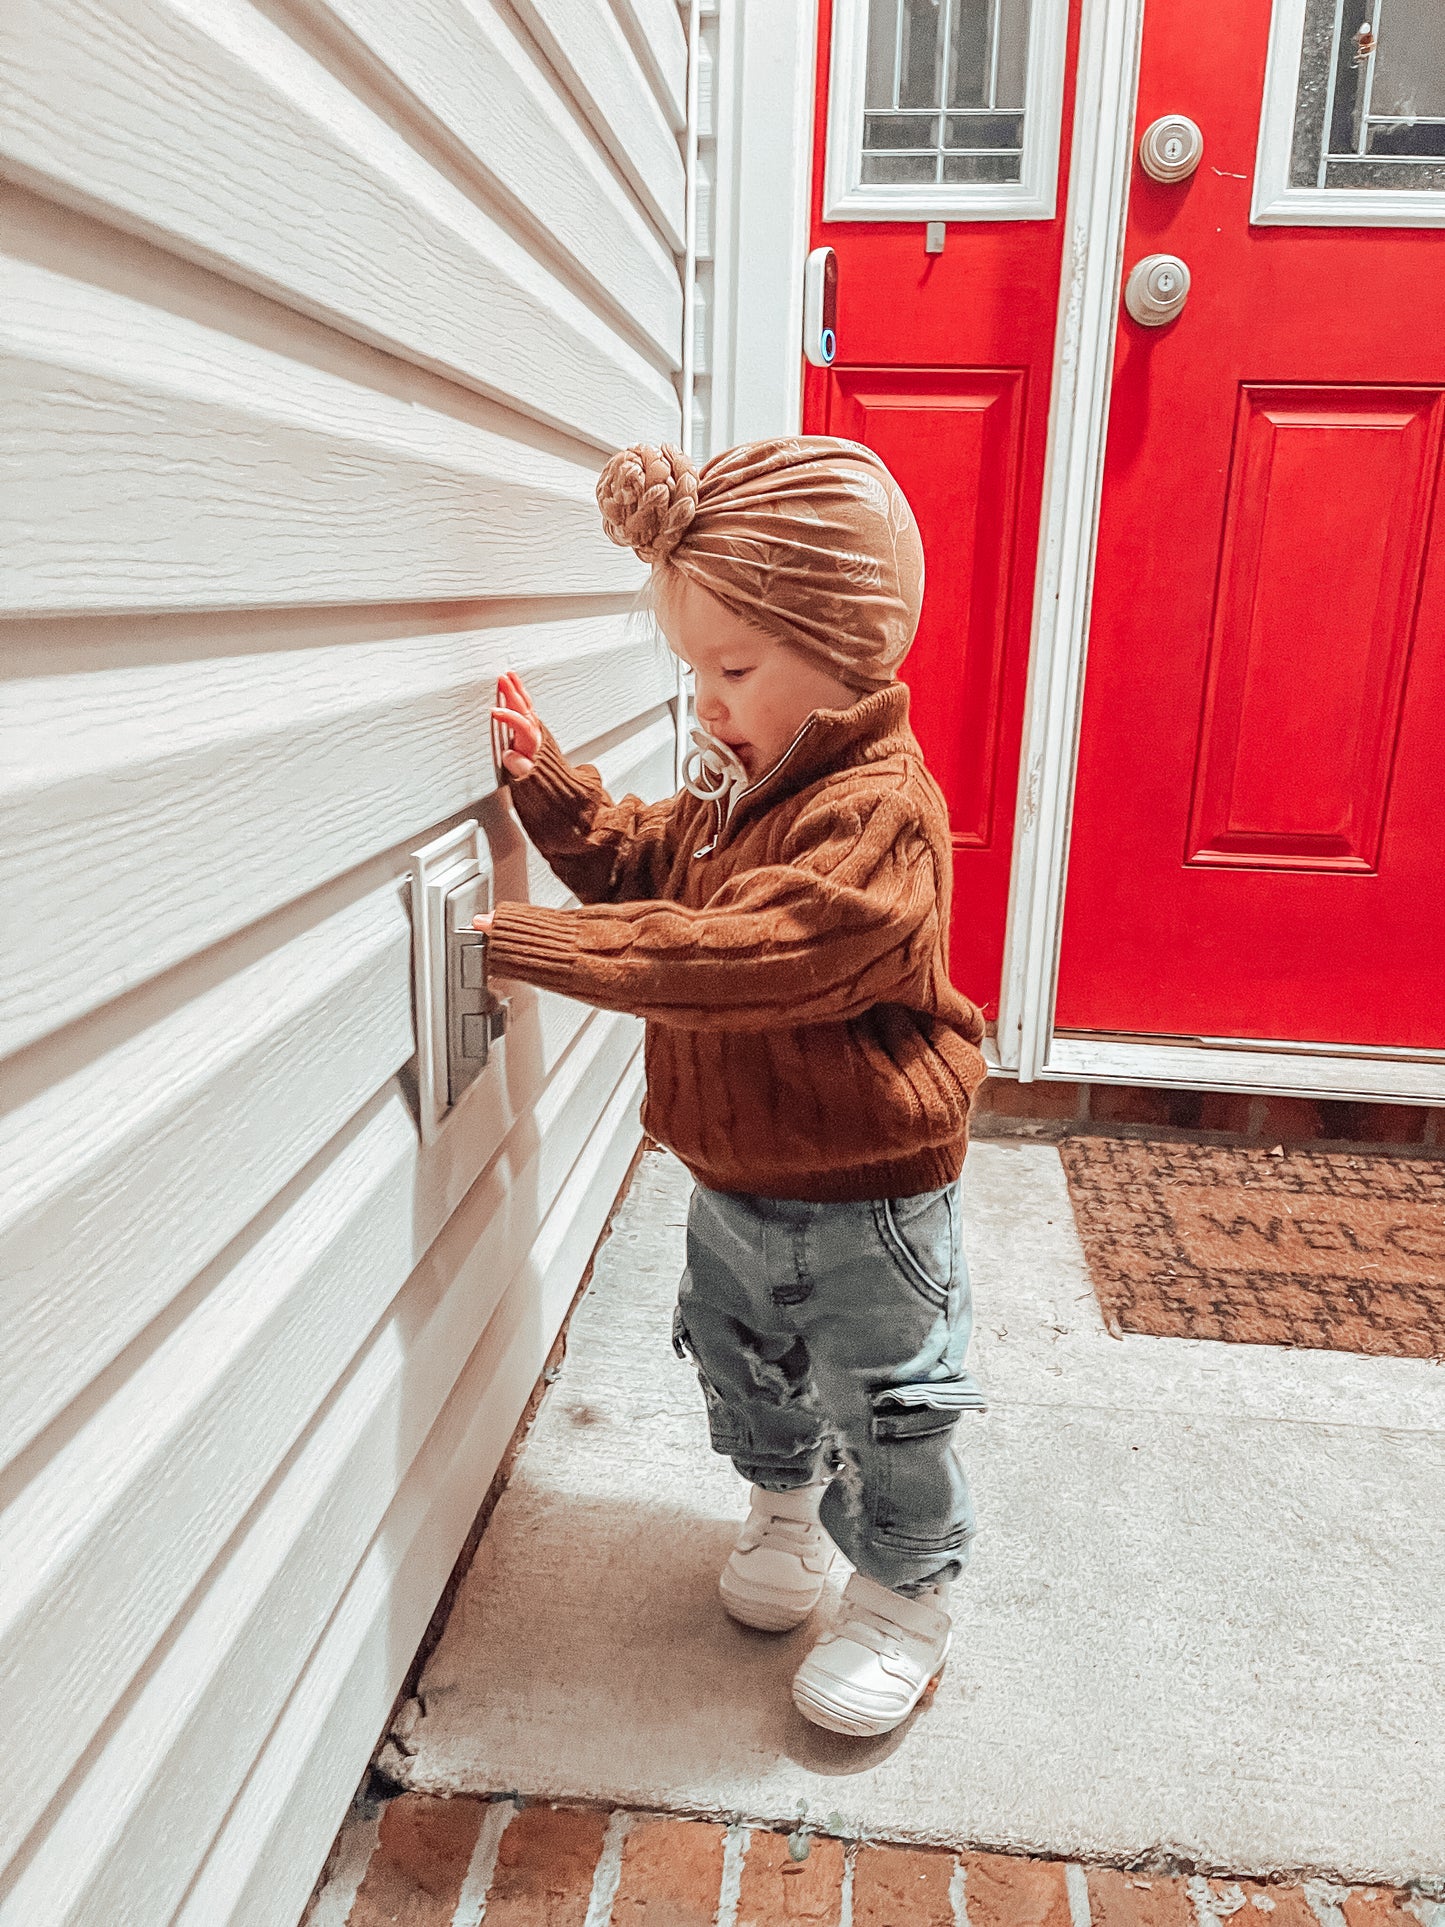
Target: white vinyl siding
317,323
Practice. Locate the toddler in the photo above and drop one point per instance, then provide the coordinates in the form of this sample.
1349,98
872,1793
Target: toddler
782,925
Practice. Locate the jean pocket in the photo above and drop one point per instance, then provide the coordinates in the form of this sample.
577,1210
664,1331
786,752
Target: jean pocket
920,1235
918,1411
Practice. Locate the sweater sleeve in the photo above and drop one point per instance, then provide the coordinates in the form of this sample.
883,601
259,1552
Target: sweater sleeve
603,851
845,921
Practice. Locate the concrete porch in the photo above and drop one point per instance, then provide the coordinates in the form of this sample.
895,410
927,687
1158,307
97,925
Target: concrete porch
1200,1631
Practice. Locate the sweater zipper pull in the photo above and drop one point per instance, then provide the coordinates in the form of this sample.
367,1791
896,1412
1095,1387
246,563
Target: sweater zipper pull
708,848
736,796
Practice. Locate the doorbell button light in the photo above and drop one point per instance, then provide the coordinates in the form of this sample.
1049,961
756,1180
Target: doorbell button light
1171,148
1156,290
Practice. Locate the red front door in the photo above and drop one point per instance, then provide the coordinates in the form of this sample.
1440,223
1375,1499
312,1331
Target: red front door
944,364
1259,818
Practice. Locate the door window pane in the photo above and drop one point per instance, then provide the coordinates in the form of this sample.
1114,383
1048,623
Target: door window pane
884,132
969,57
907,170
985,132
981,167
1370,109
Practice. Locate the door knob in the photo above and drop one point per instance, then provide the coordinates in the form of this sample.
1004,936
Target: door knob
1171,148
1157,288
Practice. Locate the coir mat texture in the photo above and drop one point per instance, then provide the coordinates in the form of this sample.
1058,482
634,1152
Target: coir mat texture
1257,1247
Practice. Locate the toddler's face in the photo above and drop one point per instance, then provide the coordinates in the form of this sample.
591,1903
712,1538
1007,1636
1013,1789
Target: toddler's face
751,691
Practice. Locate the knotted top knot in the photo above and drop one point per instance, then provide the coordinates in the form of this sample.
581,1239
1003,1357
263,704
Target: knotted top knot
648,497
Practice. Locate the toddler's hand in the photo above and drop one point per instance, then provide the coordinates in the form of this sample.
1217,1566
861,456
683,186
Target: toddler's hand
516,730
482,923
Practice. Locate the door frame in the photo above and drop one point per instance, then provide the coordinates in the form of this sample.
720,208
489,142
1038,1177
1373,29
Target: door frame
1028,1046
754,178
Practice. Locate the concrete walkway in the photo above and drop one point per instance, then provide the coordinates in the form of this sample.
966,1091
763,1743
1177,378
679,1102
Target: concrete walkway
1205,1618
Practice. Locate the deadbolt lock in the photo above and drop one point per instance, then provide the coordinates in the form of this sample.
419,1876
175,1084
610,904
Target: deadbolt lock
1171,148
1157,288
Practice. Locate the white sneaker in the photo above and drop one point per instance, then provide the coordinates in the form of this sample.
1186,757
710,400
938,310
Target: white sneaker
776,1572
885,1652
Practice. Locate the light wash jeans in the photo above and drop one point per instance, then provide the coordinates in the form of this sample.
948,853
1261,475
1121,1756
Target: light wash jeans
830,1339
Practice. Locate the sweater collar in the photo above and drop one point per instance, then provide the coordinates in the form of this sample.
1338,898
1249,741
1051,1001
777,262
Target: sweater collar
875,726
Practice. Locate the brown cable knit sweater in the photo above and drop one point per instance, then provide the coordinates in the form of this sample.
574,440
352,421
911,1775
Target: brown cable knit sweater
803,1038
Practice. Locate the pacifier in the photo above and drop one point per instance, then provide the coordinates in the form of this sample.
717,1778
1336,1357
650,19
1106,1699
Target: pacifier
712,770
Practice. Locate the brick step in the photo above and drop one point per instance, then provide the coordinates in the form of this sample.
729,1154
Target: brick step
1045,1109
426,1862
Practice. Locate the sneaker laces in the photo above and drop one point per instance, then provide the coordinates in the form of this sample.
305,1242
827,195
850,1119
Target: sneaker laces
713,771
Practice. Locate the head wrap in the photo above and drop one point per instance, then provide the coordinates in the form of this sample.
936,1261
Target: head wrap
807,536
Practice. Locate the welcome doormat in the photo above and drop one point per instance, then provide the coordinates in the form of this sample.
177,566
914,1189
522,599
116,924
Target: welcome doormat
1306,1248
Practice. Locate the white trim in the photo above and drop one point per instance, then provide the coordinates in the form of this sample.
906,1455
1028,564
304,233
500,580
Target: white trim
687,379
1034,197
761,205
1293,1070
1078,415
1276,203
